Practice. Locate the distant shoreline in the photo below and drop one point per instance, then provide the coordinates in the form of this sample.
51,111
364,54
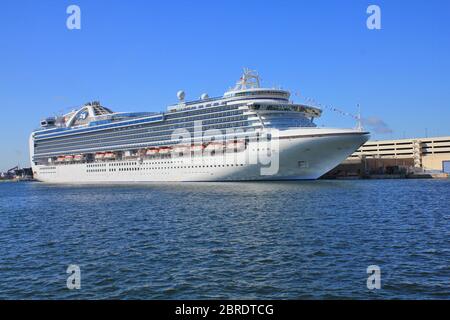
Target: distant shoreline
16,180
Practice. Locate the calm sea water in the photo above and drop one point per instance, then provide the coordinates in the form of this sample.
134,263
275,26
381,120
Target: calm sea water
294,240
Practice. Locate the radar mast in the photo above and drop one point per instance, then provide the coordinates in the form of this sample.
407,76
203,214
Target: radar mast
249,80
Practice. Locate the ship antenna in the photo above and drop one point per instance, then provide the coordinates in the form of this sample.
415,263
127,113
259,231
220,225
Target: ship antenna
250,79
359,121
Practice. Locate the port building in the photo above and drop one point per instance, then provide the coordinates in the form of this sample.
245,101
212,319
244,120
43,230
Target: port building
416,155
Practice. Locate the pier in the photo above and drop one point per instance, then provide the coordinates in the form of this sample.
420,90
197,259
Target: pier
17,174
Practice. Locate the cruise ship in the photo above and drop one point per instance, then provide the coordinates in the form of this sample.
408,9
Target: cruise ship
250,133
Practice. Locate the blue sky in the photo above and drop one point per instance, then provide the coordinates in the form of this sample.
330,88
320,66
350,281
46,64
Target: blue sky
135,55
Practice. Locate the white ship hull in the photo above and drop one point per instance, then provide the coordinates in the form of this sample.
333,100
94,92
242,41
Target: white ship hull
304,154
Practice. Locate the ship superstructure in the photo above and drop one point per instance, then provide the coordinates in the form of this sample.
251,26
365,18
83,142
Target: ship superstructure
210,139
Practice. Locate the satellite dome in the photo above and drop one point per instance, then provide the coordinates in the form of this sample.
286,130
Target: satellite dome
204,96
181,95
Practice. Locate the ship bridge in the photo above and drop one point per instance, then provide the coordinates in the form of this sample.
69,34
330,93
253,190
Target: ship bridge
248,87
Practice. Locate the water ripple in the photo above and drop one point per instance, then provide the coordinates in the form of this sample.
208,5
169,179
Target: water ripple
293,240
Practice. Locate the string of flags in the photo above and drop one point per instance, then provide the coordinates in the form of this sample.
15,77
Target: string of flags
313,102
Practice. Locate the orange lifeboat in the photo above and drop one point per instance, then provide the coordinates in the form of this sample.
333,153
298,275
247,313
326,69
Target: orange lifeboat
78,157
61,159
99,156
215,145
109,155
240,145
197,147
164,150
152,151
68,158
180,149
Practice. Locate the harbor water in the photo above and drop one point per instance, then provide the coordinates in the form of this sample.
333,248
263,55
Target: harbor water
290,240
